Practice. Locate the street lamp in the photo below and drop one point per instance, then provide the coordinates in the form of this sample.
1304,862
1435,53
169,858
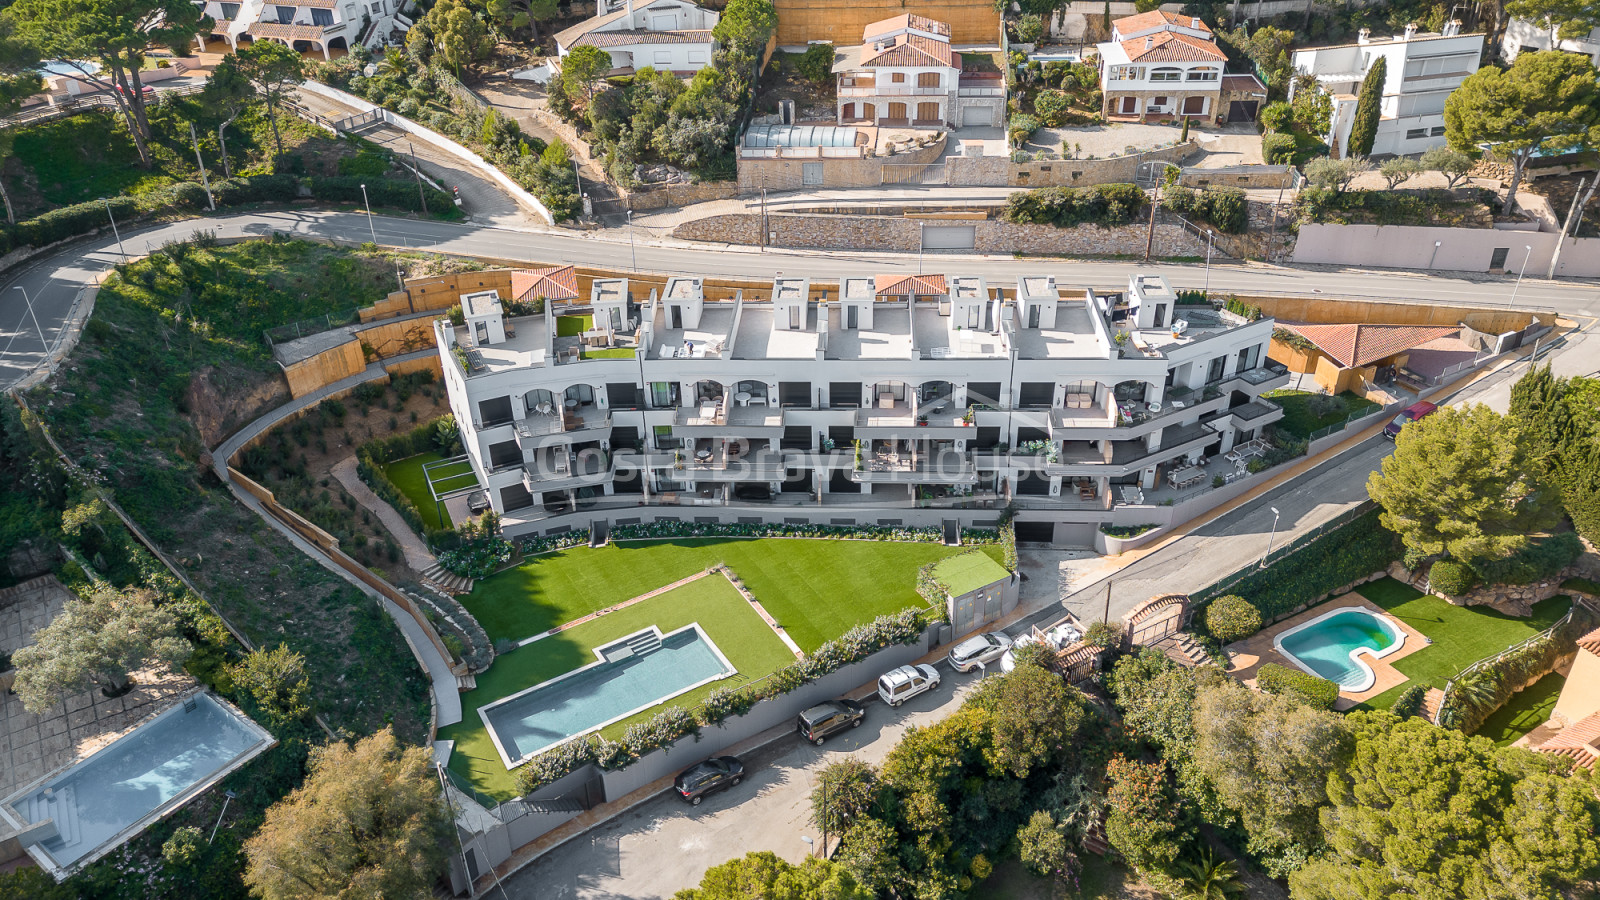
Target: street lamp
35,318
1525,258
121,252
1211,242
1436,246
370,227
1270,536
810,844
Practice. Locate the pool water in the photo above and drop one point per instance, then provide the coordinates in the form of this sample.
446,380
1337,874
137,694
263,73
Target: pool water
632,674
148,771
1331,645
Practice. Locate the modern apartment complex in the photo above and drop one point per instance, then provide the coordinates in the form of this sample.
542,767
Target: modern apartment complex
1420,72
896,399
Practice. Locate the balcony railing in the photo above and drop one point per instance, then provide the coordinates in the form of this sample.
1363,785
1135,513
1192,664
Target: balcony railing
892,90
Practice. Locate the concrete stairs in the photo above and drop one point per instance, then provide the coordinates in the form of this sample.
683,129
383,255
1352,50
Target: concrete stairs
466,683
641,644
445,581
1183,649
1431,702
952,532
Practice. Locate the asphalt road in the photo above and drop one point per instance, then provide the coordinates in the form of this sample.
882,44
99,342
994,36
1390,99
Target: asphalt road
55,282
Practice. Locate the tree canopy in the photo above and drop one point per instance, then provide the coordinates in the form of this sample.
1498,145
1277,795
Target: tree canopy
1566,19
367,822
1545,102
762,874
1561,419
1369,108
582,68
745,26
453,34
1461,482
276,71
1424,811
98,641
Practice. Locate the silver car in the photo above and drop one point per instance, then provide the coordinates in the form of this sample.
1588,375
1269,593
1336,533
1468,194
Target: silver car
980,649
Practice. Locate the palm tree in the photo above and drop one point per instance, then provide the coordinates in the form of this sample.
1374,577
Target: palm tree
1474,691
1209,878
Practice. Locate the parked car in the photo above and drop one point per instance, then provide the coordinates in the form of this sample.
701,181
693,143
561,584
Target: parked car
980,649
1412,413
716,773
753,493
820,722
899,685
1059,637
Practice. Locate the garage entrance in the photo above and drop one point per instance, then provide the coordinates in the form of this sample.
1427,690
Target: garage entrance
977,116
1243,110
949,237
1036,532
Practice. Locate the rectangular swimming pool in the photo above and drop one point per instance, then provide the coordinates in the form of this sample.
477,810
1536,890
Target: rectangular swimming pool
98,802
630,674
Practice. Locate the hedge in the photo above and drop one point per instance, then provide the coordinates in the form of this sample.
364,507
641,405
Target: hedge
1232,618
1409,703
672,723
1102,204
1539,560
647,531
1315,568
370,458
1277,149
1309,689
1225,208
1452,577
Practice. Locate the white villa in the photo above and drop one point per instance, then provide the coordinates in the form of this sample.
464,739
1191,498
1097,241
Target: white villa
1526,36
668,35
308,25
900,399
1422,70
906,73
1161,64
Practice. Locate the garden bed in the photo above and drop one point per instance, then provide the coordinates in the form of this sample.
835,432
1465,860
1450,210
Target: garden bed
1306,412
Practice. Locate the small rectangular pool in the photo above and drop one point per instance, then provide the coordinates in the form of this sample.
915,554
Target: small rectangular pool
630,674
98,802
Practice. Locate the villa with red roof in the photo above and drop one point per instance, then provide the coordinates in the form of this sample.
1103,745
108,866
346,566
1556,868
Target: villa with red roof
1343,357
1573,730
1162,65
906,73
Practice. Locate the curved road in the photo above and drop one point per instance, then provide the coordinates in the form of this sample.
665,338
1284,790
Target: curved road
53,284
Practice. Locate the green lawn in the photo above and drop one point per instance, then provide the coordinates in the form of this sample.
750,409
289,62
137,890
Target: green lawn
1461,635
968,572
408,476
731,623
607,352
1524,712
572,326
816,589
1300,420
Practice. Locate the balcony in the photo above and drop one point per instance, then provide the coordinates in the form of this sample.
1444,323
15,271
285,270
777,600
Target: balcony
937,418
887,467
719,419
558,468
1258,380
537,430
729,461
849,88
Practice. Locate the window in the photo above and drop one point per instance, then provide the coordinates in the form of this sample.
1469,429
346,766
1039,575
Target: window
1160,319
844,394
582,393
663,394
1036,394
1202,75
504,454
377,7
229,10
697,56
285,15
623,395
1214,371
1166,74
494,412
897,77
663,57
1416,134
322,17
795,394
1436,131
928,79
1127,73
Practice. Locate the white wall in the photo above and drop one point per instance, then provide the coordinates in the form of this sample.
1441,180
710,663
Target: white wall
1524,33
1460,249
673,57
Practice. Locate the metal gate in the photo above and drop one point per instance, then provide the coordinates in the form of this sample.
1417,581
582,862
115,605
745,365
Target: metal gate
913,173
949,237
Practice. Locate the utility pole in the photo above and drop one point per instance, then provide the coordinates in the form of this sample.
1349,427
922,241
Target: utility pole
1150,235
417,171
763,242
1561,239
211,203
1107,617
120,251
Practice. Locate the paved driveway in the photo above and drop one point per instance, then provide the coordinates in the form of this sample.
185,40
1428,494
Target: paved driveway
665,846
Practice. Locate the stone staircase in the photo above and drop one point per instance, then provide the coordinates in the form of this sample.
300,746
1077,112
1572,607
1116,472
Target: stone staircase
445,581
1183,649
1431,702
466,683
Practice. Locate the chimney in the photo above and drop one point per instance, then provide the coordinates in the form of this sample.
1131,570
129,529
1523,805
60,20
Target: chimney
1194,23
1364,36
1149,41
630,13
1452,28
1410,30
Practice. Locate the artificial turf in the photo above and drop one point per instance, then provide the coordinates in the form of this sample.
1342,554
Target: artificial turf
408,476
968,572
572,325
730,622
816,588
607,352
1461,635
1525,711
1299,419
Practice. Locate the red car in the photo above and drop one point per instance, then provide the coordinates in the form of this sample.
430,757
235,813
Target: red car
1412,413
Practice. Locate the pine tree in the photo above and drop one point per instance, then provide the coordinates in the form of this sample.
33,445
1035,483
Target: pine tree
1369,106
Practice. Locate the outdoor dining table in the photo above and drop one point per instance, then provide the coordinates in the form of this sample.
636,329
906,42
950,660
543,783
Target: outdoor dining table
1131,493
1182,478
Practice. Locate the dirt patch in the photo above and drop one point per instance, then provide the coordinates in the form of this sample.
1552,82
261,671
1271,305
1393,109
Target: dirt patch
219,401
782,81
1559,192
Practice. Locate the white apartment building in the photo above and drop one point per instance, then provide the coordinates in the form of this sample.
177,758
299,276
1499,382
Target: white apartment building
668,35
906,73
1422,70
1526,36
899,399
308,25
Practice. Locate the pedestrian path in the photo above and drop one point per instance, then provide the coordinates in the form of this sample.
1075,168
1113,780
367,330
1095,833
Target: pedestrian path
415,550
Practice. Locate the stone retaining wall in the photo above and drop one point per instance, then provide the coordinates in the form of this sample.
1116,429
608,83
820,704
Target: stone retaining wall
668,195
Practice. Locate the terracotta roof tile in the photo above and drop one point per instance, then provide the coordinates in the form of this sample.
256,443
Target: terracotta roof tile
640,36
907,285
1169,46
287,32
1579,741
908,50
905,20
1156,18
554,283
1591,642
1360,345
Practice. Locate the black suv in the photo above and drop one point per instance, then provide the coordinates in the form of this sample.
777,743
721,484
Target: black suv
753,493
824,719
708,777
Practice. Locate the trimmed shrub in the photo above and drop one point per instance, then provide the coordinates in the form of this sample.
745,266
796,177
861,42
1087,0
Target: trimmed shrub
1052,106
1452,577
1225,208
1277,149
816,64
1277,117
1409,702
1232,618
1307,688
1540,559
1021,128
1064,207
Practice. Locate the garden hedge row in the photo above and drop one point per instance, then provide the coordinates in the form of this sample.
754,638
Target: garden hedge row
369,466
674,722
1475,694
1335,558
1540,559
1102,204
1318,692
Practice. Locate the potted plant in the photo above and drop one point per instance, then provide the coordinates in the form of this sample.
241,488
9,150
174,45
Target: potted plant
968,416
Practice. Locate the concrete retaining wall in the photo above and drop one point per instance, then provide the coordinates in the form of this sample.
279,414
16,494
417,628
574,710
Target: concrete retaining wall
1458,250
903,234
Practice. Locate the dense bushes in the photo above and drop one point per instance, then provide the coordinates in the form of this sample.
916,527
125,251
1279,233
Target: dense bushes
1106,205
1224,207
674,722
1232,618
1539,559
1409,703
1338,557
1432,206
441,434
1319,693
1451,577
